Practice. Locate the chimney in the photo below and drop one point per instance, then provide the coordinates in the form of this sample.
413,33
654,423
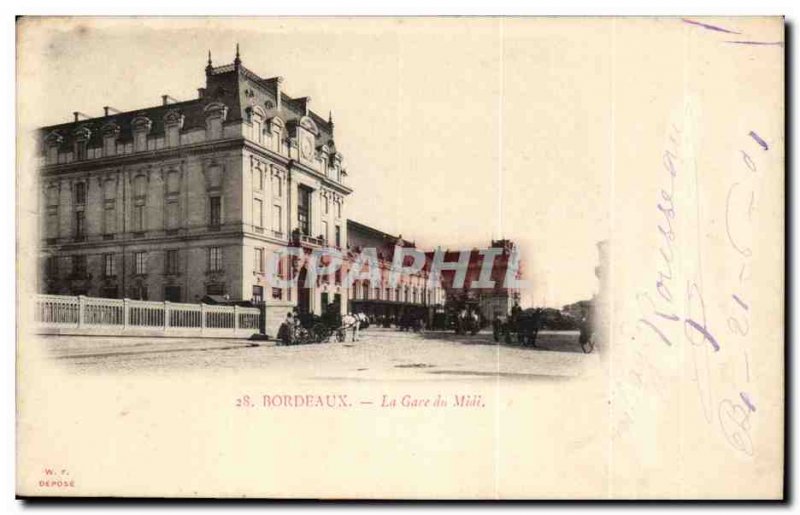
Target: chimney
166,99
80,116
201,92
306,101
110,110
278,93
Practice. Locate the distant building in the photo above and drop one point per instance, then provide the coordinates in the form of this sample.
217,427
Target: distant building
187,199
385,300
492,302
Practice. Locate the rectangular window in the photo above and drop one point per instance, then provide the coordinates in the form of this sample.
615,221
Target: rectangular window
304,210
338,236
257,131
110,225
172,215
215,259
173,136
172,262
109,145
79,266
338,210
80,225
277,190
258,261
277,225
108,292
258,179
80,193
138,218
140,141
80,150
258,213
214,128
52,196
215,212
140,263
325,235
108,265
52,267
277,293
258,293
52,224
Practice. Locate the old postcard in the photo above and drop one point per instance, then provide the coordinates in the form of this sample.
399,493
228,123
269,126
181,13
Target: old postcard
401,258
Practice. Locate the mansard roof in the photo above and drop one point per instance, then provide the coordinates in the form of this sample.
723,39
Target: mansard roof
233,85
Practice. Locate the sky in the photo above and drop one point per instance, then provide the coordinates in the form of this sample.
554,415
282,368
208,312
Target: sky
454,131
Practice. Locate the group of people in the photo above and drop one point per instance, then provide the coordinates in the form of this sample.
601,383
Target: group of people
293,330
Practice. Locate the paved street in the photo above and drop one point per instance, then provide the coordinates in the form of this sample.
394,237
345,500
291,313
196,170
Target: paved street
379,355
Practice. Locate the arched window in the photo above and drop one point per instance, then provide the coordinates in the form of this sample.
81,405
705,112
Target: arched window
256,117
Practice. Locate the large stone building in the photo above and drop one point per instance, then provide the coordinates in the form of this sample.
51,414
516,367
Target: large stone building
493,301
412,292
187,199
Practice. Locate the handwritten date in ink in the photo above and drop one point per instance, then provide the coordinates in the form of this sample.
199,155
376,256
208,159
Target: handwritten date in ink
662,317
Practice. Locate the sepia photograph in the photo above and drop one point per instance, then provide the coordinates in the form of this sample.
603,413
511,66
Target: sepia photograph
387,258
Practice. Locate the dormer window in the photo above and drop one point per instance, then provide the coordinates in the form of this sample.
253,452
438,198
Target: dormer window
275,130
173,123
80,150
216,113
51,143
110,132
81,135
256,116
141,128
258,130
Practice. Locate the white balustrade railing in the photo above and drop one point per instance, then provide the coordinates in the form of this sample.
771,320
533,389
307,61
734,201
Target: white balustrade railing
87,312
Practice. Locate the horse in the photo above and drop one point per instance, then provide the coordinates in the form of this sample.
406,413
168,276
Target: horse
467,321
352,321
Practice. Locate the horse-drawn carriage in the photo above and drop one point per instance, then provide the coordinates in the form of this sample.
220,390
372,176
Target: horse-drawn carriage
520,327
523,326
411,321
310,328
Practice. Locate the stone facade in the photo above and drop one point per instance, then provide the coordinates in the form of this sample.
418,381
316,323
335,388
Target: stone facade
490,302
412,293
185,199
